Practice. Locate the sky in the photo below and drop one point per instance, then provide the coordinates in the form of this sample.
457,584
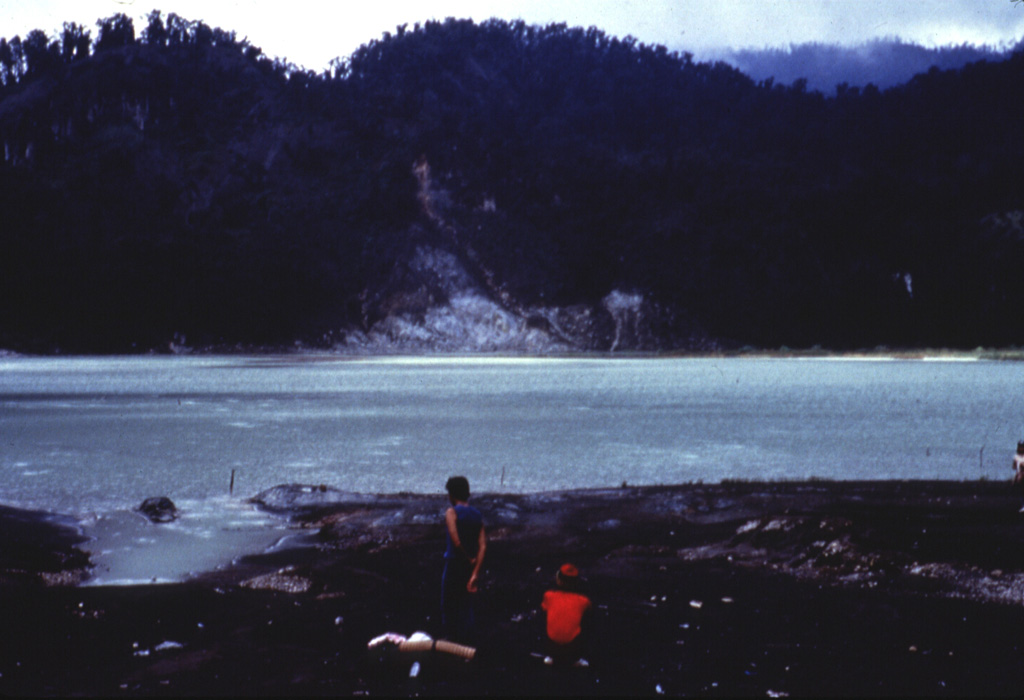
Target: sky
309,33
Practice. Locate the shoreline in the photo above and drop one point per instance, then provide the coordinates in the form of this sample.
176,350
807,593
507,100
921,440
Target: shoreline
736,588
1002,354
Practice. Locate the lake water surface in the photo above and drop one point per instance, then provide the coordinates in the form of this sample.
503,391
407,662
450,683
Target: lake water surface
93,437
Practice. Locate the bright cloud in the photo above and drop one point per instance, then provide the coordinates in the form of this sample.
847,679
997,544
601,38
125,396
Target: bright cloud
312,32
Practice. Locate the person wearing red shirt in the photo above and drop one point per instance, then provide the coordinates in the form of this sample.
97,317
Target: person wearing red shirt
567,610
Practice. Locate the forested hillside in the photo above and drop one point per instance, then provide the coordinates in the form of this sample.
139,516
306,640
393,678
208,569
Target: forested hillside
463,186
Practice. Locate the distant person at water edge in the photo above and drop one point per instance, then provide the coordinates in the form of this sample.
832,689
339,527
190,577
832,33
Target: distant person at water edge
567,610
1018,472
463,558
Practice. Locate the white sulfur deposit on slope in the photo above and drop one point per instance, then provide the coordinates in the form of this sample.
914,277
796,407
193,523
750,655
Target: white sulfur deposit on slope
467,322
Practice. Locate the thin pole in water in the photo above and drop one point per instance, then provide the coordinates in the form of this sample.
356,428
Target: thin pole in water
231,488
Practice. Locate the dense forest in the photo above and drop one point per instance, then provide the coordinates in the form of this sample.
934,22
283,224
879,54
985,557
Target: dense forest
174,186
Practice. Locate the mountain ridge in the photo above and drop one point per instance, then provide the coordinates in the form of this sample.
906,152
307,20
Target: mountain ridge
582,192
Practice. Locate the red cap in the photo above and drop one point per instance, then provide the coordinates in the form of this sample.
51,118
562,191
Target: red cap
569,570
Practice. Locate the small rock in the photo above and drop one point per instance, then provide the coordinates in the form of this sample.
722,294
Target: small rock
748,526
159,509
164,646
696,604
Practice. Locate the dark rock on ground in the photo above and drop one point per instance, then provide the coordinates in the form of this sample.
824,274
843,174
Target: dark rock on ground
303,498
159,509
37,546
835,589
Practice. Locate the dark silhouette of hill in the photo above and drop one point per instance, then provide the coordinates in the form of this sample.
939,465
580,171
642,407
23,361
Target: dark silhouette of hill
884,63
494,186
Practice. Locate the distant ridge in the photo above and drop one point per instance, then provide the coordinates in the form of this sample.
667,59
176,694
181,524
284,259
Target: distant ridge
881,62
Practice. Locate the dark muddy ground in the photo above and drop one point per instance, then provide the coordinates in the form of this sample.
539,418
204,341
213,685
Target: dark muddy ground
888,588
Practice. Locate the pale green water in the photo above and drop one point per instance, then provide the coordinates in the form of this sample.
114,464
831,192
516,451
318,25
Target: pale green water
91,436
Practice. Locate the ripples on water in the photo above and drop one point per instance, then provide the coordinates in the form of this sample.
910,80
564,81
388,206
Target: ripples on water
95,436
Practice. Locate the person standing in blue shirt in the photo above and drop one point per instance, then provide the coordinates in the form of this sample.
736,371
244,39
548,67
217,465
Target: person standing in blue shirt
463,559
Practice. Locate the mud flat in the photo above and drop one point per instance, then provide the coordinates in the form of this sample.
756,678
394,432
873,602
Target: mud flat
753,589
